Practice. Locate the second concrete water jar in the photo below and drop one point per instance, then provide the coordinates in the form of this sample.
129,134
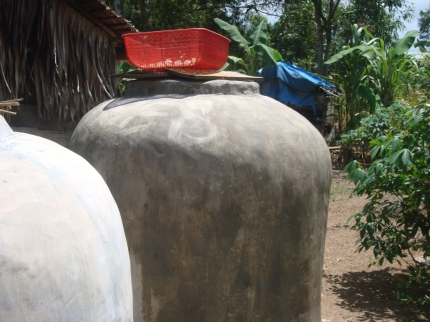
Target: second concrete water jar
223,194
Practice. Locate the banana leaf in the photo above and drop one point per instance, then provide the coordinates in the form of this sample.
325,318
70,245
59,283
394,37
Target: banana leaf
259,36
345,52
401,46
233,33
269,55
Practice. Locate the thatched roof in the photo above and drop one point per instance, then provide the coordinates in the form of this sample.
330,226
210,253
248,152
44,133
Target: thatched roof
104,17
59,54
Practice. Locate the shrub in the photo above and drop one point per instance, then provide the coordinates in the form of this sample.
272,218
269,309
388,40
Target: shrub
371,127
395,222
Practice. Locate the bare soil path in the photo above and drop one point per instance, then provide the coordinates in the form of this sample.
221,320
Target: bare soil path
350,290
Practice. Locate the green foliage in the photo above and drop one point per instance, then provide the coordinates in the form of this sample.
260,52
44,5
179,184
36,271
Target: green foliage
390,66
306,28
370,127
420,79
173,14
384,19
326,16
179,14
130,9
374,72
303,34
395,222
256,51
424,25
123,67
148,15
295,34
387,65
351,71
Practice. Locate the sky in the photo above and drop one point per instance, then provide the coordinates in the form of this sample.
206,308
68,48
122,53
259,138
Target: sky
413,25
419,5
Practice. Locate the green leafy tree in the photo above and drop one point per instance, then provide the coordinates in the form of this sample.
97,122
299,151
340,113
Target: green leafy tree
395,223
350,74
421,78
390,66
149,15
177,14
357,140
424,25
326,14
256,51
384,19
376,72
295,34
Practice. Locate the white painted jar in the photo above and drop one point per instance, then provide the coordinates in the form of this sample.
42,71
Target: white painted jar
63,252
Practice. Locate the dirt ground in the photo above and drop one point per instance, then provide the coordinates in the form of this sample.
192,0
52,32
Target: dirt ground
350,290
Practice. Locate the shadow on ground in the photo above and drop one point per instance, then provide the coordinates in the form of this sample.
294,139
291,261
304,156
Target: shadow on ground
372,294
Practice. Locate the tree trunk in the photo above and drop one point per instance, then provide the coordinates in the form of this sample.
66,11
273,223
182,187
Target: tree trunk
320,53
328,36
320,30
144,14
324,25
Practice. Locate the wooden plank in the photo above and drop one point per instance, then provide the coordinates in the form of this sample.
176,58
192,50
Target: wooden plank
7,112
141,74
335,147
188,74
14,100
211,74
9,103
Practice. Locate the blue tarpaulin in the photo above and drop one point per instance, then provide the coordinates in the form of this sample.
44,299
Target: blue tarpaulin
292,85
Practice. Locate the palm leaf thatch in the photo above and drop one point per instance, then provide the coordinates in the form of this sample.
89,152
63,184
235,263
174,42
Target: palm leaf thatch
48,46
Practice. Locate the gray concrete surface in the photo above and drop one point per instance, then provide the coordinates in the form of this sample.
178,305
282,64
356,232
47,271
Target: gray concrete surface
223,195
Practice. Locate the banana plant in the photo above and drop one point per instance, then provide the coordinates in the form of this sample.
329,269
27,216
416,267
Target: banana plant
351,73
392,65
256,51
387,67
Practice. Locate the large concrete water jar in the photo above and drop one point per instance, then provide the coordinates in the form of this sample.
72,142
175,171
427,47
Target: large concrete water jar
63,252
223,194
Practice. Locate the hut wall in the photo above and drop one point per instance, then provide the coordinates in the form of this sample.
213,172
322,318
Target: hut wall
54,58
